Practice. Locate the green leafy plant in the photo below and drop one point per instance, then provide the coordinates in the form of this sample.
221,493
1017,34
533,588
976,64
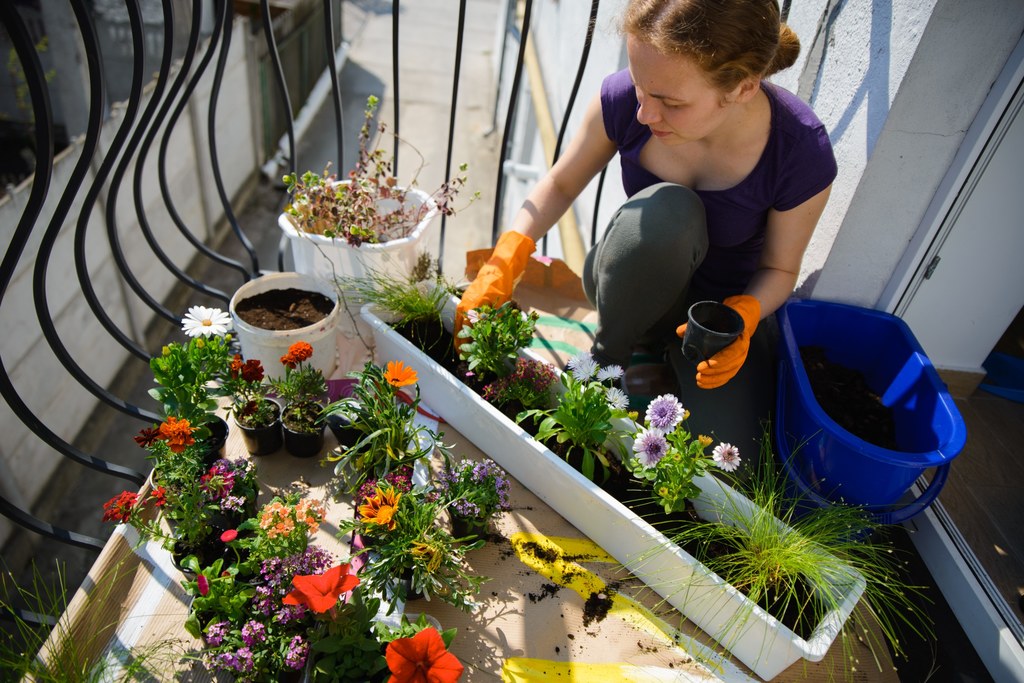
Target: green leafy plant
494,337
186,374
408,541
583,420
245,384
216,589
372,206
347,648
383,419
666,457
301,389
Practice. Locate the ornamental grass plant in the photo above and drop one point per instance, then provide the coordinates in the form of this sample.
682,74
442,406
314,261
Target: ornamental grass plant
792,557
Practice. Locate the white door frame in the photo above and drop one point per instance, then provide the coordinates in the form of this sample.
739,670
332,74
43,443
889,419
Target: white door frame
934,227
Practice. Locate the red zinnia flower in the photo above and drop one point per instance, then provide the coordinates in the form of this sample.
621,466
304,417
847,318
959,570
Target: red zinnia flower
229,535
320,592
147,436
119,508
422,658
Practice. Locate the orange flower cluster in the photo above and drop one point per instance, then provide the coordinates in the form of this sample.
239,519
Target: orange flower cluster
380,508
177,433
278,519
297,352
399,375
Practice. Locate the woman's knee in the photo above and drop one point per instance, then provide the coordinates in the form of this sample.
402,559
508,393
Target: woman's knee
663,220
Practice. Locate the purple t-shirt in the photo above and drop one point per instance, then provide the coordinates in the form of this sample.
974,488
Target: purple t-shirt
797,164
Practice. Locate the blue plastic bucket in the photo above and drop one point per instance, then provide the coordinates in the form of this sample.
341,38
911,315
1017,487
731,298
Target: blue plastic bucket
828,463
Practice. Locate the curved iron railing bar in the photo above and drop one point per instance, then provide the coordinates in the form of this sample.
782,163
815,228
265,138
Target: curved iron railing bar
82,227
128,158
275,58
394,81
190,86
211,125
152,129
460,37
52,233
43,175
584,56
335,87
597,205
499,189
36,525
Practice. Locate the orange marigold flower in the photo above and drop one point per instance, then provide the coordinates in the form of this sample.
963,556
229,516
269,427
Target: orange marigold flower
177,433
422,658
399,375
147,436
320,592
297,352
380,508
236,366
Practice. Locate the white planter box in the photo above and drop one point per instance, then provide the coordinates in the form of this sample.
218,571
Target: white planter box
753,636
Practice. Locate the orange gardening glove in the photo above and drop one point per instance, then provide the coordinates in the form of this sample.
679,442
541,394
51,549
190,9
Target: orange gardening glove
723,366
494,283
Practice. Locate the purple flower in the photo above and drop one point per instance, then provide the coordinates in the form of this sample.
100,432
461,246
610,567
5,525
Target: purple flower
664,413
216,632
650,447
726,456
295,657
253,633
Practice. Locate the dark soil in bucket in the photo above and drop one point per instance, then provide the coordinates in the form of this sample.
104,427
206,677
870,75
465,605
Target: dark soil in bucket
845,397
284,309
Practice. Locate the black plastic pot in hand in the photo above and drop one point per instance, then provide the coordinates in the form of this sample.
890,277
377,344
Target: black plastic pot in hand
710,327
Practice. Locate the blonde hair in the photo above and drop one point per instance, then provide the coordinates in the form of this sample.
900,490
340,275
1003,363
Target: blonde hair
731,40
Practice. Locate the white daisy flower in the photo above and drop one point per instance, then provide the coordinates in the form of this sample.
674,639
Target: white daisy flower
726,456
201,321
609,372
582,366
617,398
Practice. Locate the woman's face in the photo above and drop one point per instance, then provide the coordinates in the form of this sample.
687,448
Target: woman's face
677,102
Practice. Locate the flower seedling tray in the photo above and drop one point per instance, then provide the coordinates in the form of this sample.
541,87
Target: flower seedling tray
752,635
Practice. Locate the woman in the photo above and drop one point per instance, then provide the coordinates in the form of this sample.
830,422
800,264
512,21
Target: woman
726,175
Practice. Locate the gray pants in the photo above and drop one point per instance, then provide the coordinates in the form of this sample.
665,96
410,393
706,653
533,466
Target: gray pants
638,278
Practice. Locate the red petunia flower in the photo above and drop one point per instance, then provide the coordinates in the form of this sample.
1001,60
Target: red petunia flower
422,659
320,592
120,507
229,536
147,436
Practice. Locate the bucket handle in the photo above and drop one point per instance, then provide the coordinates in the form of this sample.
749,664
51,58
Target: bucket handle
882,515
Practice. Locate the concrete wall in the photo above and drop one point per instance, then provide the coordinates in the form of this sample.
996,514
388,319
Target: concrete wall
26,463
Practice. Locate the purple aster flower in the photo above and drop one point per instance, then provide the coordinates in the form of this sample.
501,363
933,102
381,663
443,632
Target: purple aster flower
664,413
650,447
726,456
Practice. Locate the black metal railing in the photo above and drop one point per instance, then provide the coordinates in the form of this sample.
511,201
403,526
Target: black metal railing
115,159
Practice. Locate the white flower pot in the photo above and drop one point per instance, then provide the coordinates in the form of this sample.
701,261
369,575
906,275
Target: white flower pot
269,345
330,258
753,636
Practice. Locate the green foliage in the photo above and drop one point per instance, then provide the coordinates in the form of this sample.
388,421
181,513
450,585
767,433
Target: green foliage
494,337
183,373
226,596
348,649
583,418
420,296
414,545
389,437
